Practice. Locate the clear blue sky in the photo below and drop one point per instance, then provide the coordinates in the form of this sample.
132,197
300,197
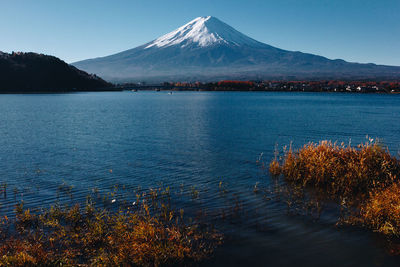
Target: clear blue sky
354,30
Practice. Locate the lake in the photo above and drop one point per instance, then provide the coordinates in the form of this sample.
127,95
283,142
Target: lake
195,140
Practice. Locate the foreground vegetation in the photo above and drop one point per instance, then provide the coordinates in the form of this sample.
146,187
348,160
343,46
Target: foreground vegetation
362,180
109,230
145,233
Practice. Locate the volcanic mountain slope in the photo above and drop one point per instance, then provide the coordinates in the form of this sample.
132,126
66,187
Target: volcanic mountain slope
208,49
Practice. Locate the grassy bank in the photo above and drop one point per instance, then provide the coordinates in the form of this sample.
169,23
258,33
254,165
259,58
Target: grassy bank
364,180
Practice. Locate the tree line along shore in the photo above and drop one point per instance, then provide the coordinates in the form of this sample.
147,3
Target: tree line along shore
272,86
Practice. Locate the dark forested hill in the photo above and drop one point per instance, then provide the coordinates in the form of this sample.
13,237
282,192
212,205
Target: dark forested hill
31,72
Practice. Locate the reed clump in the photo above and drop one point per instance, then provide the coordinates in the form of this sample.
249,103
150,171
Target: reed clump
381,212
363,180
140,235
274,168
339,170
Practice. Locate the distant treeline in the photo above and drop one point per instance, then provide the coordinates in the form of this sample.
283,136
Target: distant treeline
303,86
31,72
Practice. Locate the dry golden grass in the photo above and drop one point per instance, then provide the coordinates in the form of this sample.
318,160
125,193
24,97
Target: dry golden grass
339,170
88,236
381,212
274,168
364,180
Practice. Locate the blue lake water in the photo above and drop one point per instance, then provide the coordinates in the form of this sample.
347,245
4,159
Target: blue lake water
196,139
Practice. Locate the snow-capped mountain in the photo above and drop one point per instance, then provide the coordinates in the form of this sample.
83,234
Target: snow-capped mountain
203,32
209,49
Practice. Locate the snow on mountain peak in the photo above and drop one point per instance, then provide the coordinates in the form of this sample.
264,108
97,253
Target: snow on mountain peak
203,31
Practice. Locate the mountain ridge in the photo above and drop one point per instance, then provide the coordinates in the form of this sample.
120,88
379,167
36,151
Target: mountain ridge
209,49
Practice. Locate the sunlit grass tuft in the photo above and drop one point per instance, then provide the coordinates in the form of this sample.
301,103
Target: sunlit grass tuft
363,180
381,212
144,234
339,170
275,168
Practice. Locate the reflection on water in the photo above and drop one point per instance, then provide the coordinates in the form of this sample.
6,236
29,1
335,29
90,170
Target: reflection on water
195,139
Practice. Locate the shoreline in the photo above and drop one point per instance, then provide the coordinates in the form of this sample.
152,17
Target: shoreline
111,89
157,89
